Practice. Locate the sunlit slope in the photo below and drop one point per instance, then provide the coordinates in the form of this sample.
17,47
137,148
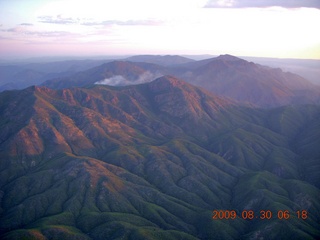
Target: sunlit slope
153,161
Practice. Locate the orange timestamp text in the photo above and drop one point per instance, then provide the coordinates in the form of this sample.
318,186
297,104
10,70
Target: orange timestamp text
262,214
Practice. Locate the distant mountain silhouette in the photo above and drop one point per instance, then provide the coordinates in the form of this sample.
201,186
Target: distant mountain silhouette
22,75
153,160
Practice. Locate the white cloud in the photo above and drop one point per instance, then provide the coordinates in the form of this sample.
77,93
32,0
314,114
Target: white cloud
221,3
116,80
119,80
263,3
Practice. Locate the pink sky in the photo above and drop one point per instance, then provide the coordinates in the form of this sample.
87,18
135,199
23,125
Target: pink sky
284,29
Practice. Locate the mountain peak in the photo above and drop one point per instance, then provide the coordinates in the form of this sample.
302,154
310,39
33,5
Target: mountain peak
168,78
227,57
162,60
165,84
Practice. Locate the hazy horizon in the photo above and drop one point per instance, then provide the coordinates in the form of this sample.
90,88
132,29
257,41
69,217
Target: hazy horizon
55,28
197,57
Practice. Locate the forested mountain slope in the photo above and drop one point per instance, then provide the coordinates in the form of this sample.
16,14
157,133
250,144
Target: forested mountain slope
153,161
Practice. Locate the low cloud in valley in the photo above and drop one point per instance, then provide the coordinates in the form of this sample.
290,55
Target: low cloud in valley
119,80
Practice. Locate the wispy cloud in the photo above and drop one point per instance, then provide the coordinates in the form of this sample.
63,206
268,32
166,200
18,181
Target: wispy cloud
146,22
26,24
17,29
59,19
25,34
36,36
262,3
21,30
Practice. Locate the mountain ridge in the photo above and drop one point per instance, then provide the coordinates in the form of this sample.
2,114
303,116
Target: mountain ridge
248,82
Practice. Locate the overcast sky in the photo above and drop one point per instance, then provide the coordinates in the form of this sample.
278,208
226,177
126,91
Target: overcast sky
265,28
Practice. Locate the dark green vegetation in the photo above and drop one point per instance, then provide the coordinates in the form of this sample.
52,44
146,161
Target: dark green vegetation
153,161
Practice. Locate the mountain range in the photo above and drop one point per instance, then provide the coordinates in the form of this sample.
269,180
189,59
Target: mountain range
228,76
154,160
